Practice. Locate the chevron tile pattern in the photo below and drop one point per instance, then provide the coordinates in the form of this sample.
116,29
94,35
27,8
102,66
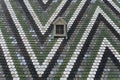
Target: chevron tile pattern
28,50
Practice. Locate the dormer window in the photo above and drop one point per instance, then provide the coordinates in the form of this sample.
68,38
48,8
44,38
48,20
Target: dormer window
60,27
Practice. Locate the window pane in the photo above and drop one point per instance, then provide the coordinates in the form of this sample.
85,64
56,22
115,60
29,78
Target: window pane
59,29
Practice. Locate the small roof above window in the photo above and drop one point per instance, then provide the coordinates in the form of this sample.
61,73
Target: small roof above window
60,21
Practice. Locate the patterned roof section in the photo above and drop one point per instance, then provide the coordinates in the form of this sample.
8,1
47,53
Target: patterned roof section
90,51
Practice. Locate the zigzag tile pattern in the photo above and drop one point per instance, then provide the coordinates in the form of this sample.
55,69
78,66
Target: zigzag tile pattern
29,51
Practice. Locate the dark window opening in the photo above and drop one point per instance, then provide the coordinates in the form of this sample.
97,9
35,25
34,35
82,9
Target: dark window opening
59,29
